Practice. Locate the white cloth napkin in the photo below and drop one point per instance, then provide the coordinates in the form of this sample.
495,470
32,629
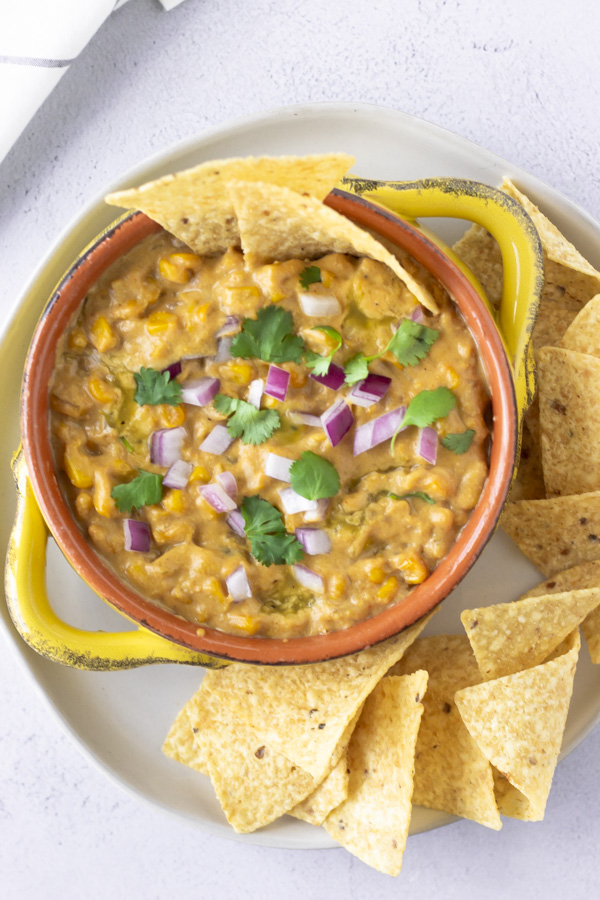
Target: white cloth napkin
38,41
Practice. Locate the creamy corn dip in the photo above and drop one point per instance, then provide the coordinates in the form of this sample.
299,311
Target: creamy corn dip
396,513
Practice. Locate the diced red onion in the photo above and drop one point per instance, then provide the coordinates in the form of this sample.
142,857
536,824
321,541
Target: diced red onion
337,421
217,497
277,382
308,579
417,316
230,327
318,514
200,392
255,392
178,475
228,482
427,444
370,390
314,540
319,305
334,379
302,418
217,442
278,467
137,535
293,503
174,370
235,520
377,430
238,584
165,445
224,349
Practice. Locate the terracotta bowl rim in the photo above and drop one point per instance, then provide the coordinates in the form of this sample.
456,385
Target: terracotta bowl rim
96,572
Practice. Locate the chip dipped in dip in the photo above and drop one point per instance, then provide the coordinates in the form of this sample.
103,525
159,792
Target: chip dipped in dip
279,440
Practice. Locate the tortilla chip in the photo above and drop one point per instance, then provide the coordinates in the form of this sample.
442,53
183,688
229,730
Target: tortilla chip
529,481
180,745
481,253
583,334
584,577
555,533
451,773
551,325
509,637
195,205
518,722
510,801
277,223
329,794
254,783
372,823
569,396
303,712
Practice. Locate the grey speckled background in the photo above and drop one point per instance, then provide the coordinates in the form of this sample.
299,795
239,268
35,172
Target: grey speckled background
521,77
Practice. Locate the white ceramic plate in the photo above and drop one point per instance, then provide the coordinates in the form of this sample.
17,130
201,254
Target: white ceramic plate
119,719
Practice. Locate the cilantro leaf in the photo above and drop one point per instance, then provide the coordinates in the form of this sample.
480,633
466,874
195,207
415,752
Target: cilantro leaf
310,275
320,364
252,425
270,543
144,490
417,495
411,342
356,368
313,477
425,408
459,443
269,337
154,387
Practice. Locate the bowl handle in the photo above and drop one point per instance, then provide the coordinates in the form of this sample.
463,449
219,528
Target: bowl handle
519,242
42,629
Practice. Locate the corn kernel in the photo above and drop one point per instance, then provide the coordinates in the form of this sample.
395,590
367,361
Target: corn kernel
240,373
202,312
452,377
174,501
170,416
175,269
159,322
100,390
84,503
201,474
326,278
377,574
389,357
298,378
137,571
102,335
77,339
78,467
214,587
248,290
185,259
414,569
249,624
388,588
337,586
269,402
103,502
277,297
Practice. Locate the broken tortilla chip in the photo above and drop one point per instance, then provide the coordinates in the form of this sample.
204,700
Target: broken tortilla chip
555,533
329,794
509,637
569,397
518,723
583,334
180,745
451,772
373,822
277,223
584,577
195,204
303,712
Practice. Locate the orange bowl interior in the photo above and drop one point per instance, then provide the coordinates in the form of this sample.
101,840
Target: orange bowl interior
35,423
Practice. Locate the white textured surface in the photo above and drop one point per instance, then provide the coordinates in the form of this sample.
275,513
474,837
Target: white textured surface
521,78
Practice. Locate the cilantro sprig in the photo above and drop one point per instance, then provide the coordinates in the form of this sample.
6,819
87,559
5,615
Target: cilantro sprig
310,275
270,543
425,408
313,477
410,344
252,425
459,443
320,364
269,337
154,387
413,495
144,490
